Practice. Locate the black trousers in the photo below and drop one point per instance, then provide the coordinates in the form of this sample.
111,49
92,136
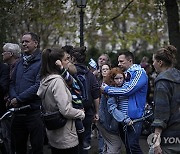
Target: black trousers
25,125
73,150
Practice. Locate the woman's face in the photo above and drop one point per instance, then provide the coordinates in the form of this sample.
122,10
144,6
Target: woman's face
65,60
157,64
105,69
119,80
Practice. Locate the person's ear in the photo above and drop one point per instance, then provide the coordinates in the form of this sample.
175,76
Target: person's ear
130,60
73,60
36,44
160,62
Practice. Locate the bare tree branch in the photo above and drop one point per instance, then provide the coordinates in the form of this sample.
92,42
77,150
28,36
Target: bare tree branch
113,18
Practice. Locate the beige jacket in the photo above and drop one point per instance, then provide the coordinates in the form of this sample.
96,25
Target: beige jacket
56,96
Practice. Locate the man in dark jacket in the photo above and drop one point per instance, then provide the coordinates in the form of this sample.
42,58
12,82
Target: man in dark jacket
91,106
23,88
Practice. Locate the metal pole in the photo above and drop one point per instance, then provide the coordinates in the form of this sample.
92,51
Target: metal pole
81,27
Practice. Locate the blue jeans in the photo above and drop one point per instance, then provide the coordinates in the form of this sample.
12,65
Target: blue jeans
130,137
100,143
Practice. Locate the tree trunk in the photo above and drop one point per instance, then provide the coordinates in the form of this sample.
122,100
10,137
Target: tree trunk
173,26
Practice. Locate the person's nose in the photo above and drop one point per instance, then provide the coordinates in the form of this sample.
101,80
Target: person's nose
23,44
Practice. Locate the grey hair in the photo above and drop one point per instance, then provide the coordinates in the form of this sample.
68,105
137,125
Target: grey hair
13,48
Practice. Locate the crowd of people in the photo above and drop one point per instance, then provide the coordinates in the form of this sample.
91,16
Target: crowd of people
112,99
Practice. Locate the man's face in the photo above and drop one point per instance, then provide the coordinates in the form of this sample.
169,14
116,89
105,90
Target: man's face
124,63
7,56
28,45
102,60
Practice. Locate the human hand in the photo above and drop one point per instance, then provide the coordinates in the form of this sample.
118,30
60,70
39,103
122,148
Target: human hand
157,150
59,63
96,117
103,86
130,123
82,110
13,102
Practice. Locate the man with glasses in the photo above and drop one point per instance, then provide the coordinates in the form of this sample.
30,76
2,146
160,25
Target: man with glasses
11,54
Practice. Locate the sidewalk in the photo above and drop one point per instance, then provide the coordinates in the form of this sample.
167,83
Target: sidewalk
94,146
143,144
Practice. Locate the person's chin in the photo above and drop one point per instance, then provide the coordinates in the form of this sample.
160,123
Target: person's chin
26,50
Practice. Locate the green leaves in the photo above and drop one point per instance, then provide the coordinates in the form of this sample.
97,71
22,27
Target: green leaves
108,24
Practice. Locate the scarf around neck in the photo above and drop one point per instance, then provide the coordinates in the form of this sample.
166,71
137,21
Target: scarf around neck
29,58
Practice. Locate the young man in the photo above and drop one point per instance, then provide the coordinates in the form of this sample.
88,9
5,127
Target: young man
136,90
23,88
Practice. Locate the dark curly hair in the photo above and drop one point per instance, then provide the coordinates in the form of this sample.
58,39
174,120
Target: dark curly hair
109,79
79,54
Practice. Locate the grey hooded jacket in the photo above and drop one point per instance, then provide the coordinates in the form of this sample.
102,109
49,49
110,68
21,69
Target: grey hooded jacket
167,102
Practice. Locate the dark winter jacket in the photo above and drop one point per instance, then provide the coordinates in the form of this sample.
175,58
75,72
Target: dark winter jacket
4,84
25,82
93,90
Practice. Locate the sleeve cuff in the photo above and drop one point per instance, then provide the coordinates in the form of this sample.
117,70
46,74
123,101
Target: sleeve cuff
106,89
159,123
18,100
127,120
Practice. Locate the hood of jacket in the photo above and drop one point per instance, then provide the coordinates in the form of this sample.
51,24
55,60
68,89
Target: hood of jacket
81,69
44,84
171,74
135,67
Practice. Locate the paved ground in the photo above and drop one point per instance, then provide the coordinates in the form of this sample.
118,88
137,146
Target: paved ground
143,144
94,148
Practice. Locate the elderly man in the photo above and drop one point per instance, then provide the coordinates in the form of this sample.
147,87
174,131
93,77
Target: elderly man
11,54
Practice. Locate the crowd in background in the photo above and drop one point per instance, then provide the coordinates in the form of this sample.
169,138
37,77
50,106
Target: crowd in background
118,98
